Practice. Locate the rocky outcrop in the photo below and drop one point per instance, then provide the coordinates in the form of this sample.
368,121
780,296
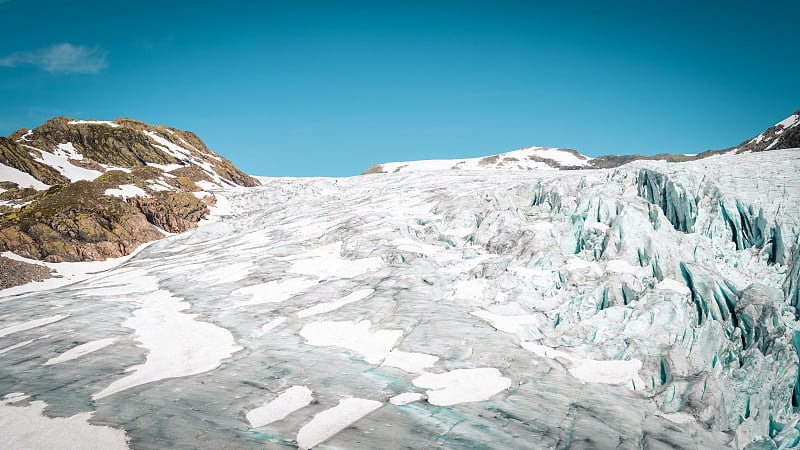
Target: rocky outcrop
785,134
144,180
16,273
76,223
174,212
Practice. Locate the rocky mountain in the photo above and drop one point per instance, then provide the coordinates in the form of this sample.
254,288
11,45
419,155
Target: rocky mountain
784,134
84,190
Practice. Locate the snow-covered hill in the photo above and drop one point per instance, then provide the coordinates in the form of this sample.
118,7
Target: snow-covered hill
647,306
528,158
784,134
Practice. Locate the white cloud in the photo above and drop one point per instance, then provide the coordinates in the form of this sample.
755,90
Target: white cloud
60,58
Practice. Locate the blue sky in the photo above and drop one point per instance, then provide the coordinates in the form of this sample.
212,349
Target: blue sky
302,88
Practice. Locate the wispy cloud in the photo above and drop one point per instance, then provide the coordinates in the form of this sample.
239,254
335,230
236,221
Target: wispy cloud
60,58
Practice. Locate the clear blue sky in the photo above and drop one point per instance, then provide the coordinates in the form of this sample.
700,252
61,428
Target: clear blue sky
329,88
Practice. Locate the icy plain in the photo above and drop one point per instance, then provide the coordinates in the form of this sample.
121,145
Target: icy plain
648,306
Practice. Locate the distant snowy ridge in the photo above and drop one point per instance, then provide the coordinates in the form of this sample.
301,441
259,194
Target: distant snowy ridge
783,135
528,158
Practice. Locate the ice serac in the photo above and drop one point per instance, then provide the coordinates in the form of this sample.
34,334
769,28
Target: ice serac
679,207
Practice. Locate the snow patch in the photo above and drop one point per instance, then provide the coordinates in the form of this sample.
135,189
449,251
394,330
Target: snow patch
70,272
272,324
93,122
22,179
409,361
25,136
331,421
330,306
126,191
374,347
617,372
26,427
608,372
81,350
680,418
673,285
35,323
789,121
68,151
289,401
621,266
60,161
462,385
15,346
178,345
272,291
166,167
405,398
509,324
326,262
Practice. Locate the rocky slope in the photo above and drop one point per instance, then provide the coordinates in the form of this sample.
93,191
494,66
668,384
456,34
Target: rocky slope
77,190
785,134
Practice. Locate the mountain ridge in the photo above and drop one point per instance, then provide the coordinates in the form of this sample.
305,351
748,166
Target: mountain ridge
783,135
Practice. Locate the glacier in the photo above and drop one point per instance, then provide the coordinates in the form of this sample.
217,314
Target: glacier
653,305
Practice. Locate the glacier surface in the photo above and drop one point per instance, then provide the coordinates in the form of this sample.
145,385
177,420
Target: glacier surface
648,306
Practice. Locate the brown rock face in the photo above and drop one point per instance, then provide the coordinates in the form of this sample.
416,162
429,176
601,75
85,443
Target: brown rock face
174,212
91,229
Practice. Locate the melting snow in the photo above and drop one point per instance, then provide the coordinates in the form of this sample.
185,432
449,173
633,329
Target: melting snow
289,401
93,122
83,349
272,291
25,427
22,179
178,345
35,323
321,308
405,398
60,160
409,361
462,385
25,136
329,422
325,262
790,121
126,191
373,346
620,372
